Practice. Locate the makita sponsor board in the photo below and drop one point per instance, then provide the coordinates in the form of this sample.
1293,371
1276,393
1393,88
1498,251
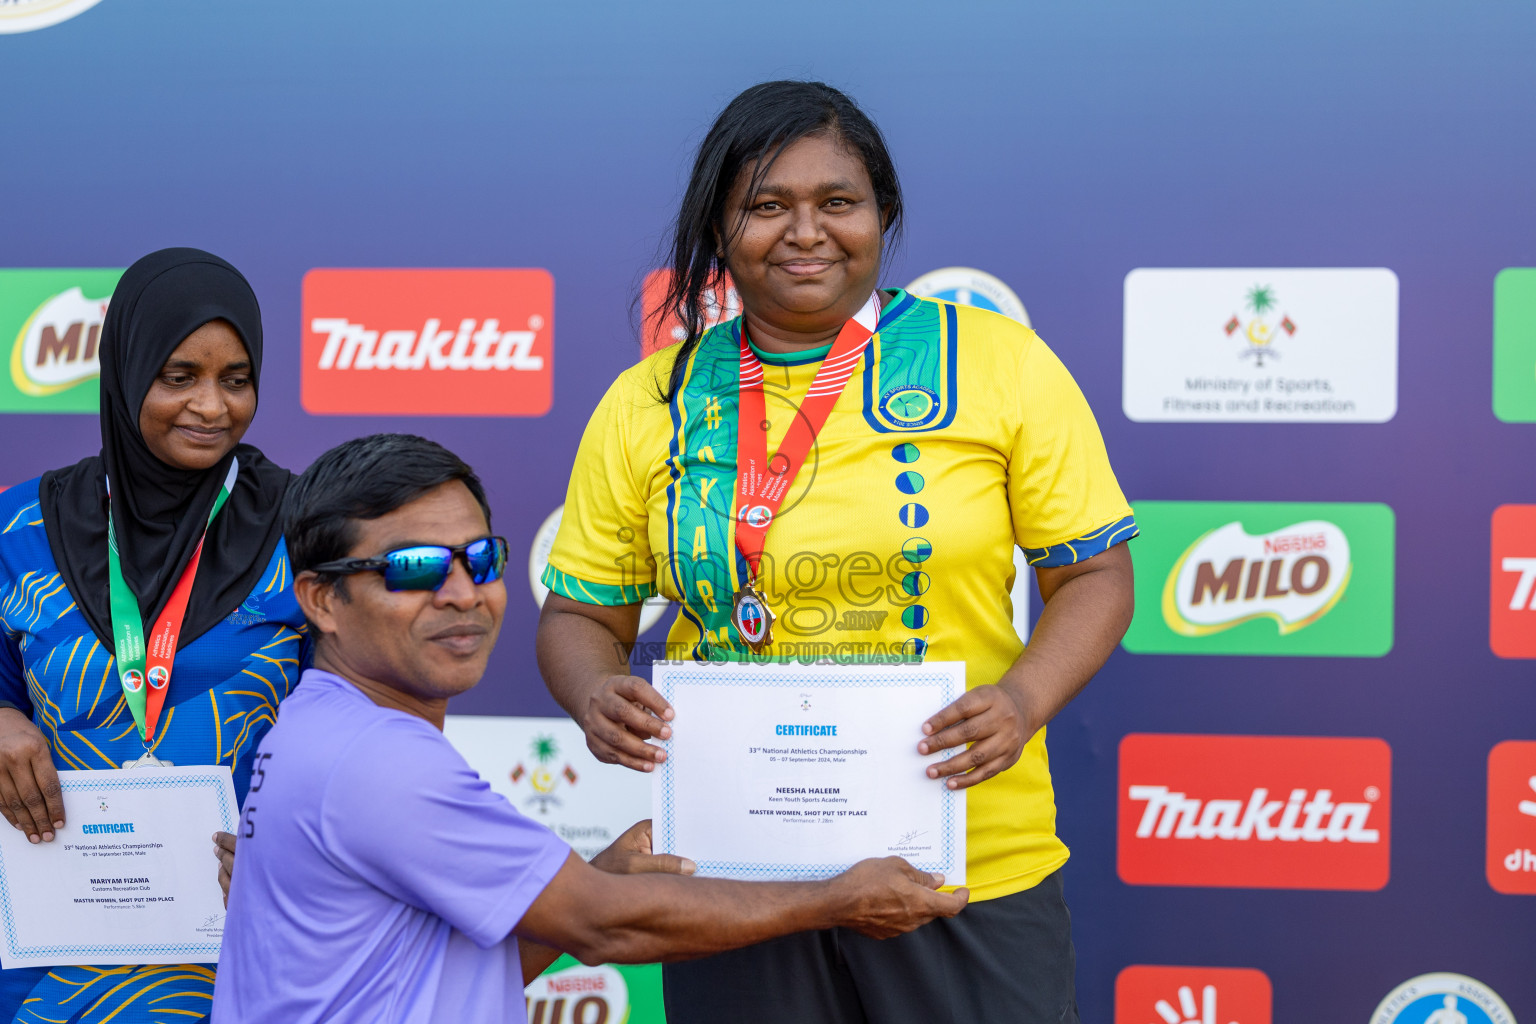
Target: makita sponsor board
1301,578
50,323
1512,582
1260,812
428,342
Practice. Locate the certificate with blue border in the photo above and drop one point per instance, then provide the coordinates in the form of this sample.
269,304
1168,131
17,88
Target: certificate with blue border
130,878
785,772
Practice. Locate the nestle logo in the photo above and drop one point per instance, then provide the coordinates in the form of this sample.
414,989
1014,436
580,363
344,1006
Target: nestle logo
428,342
1255,811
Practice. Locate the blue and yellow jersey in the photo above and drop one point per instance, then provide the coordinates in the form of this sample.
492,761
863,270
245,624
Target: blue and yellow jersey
223,698
960,436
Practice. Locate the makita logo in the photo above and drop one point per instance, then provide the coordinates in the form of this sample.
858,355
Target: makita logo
1293,576
1295,812
1296,819
350,346
432,342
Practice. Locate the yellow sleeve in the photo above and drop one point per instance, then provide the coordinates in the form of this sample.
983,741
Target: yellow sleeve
602,553
1066,503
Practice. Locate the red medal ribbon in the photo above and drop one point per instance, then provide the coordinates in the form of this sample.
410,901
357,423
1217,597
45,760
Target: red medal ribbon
761,483
160,651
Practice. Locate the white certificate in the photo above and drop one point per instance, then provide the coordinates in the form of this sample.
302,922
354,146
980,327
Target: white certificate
131,877
800,771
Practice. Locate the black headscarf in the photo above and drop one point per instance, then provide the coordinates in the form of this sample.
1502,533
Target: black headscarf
159,511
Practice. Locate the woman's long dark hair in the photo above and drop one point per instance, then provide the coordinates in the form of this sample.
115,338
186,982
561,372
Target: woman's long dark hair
751,132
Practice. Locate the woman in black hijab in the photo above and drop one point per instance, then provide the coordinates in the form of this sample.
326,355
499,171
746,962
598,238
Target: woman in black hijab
180,360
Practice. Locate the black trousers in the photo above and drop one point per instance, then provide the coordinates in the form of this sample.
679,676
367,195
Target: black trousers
1003,960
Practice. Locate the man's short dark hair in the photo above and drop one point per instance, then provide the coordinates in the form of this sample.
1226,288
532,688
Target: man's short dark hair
364,479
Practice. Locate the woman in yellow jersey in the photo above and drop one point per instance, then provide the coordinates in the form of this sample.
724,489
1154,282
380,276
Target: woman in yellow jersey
956,435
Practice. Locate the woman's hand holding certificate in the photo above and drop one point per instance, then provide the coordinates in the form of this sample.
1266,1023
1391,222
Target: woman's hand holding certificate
798,772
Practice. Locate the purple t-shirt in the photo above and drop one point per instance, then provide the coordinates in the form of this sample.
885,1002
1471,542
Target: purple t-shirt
377,877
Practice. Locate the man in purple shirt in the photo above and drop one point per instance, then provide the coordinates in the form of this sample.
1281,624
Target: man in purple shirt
380,880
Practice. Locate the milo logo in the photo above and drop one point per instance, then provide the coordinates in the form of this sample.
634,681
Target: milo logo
1263,578
1294,576
51,322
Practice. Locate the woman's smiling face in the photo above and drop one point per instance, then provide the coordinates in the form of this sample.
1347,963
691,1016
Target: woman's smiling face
203,400
805,254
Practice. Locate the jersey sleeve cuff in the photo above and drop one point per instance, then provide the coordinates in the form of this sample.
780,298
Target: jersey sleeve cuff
588,592
1095,542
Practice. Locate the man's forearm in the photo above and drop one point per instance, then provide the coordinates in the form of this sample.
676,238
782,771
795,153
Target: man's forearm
650,918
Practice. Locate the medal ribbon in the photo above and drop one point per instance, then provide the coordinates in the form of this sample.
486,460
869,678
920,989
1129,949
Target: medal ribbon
144,670
761,483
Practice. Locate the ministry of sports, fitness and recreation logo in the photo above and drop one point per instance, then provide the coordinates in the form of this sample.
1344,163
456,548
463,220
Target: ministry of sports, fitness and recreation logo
968,286
437,342
542,777
1264,578
1255,812
51,320
30,15
1260,345
1257,330
1442,998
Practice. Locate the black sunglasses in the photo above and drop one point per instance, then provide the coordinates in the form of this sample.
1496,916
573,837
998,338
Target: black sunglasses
426,566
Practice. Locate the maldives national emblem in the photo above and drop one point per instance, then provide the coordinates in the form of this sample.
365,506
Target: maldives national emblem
1258,331
541,778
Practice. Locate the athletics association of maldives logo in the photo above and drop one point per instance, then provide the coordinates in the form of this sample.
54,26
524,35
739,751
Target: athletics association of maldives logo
428,342
1442,998
1257,330
158,676
133,680
967,286
1260,812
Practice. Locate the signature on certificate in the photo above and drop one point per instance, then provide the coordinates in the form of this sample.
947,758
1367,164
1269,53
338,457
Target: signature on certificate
910,837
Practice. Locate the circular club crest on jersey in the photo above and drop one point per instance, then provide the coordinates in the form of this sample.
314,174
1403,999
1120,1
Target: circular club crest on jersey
133,680
159,675
1442,998
757,516
751,618
538,560
29,15
909,406
968,286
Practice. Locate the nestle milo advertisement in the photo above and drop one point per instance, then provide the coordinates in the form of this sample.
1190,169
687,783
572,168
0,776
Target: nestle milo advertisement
1266,578
50,327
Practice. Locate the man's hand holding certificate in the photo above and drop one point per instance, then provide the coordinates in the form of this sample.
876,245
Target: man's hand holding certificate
798,772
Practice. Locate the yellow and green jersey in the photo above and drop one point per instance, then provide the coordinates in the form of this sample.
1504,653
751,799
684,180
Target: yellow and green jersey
960,436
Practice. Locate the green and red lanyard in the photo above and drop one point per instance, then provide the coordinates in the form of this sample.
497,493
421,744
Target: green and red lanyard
144,666
761,483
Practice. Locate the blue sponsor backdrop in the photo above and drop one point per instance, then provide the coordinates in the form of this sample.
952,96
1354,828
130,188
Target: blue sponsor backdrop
1055,148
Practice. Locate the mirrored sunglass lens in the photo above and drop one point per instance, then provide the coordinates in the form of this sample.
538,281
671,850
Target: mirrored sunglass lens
486,559
422,568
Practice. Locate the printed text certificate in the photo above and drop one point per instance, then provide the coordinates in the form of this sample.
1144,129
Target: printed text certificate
799,771
131,877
